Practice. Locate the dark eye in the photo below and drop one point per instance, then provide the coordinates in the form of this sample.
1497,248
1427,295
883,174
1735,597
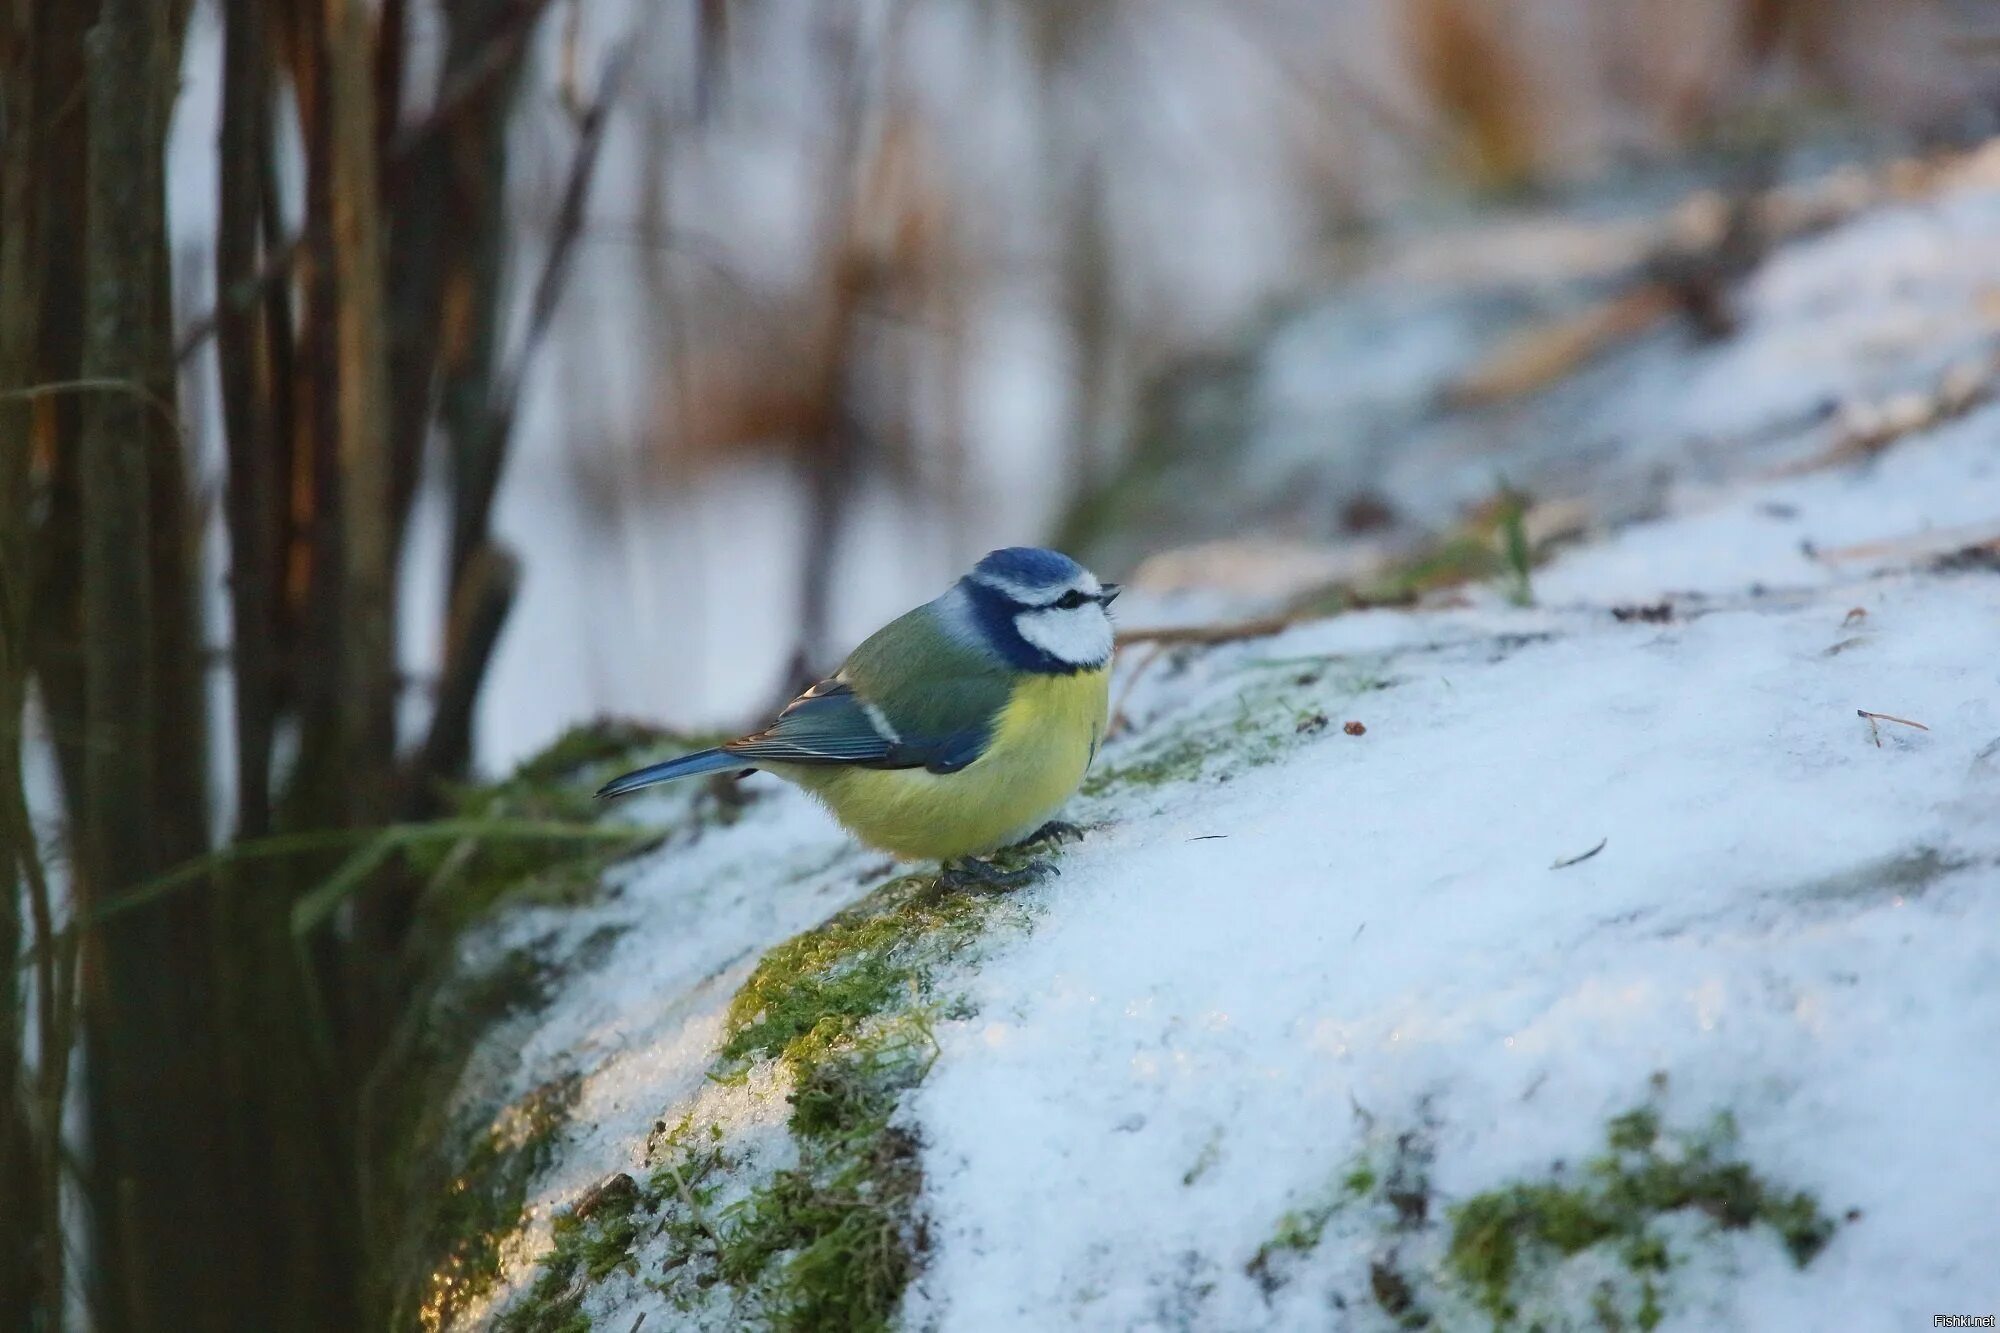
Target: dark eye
1070,600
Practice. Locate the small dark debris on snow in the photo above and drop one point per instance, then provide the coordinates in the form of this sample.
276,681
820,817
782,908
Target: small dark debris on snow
1659,613
1354,729
1311,726
618,1188
1578,860
1854,616
1837,649
1367,512
1981,558
1412,1206
1392,1292
1207,837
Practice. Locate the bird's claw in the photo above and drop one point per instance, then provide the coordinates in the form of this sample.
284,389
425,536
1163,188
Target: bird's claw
1055,833
976,876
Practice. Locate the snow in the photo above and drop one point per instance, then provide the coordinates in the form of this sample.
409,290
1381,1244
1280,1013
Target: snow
1315,944
1381,926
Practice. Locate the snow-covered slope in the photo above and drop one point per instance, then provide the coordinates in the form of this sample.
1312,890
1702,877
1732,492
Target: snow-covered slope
1593,964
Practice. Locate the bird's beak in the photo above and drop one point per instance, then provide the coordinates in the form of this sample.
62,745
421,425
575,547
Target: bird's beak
1109,593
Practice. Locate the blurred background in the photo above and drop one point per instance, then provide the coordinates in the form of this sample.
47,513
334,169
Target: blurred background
388,385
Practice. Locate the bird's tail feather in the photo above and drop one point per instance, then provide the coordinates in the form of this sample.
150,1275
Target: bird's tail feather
687,766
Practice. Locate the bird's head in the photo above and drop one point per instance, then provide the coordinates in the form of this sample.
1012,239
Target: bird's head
1041,610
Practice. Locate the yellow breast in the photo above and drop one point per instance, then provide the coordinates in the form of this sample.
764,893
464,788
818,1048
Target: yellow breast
1041,747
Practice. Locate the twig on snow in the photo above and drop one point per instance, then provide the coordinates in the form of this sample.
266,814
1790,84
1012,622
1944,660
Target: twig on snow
1875,732
1578,860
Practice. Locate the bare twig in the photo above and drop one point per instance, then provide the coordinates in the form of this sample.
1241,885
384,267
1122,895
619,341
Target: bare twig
1567,862
473,79
479,609
277,266
1875,732
100,384
1918,546
568,226
1118,721
1259,627
687,1197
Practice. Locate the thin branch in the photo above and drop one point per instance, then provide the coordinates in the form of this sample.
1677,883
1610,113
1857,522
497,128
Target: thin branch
568,227
99,384
1258,627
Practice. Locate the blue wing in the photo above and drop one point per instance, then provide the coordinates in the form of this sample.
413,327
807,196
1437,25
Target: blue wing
828,724
832,724
916,694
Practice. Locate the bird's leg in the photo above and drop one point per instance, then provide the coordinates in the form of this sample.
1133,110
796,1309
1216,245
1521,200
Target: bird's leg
971,873
1055,832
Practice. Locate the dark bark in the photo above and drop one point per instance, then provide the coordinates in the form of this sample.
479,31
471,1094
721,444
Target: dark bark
253,448
23,1151
156,1106
58,574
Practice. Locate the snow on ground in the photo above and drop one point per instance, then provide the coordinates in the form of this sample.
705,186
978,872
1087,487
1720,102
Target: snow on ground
1241,974
1285,950
1790,922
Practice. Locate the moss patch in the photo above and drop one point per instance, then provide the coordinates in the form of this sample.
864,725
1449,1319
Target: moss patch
485,1202
833,1237
466,879
834,1241
441,1210
592,1240
1389,1183
1491,1258
810,995
1502,1238
1280,704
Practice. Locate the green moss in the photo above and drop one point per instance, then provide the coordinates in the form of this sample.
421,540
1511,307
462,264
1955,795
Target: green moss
467,878
1388,1186
1280,704
1491,544
1497,1248
484,1203
811,994
1635,1131
426,1193
592,1240
586,754
1500,1237
1300,1230
1178,759
1254,728
833,1239
831,1243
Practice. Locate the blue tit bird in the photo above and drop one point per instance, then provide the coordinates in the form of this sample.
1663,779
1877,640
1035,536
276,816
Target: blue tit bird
956,729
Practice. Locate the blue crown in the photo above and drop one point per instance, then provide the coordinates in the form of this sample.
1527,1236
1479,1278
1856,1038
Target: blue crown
1029,566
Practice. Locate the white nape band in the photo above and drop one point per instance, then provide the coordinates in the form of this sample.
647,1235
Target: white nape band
1039,594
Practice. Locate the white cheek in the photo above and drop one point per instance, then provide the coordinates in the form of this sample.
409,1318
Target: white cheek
1080,636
